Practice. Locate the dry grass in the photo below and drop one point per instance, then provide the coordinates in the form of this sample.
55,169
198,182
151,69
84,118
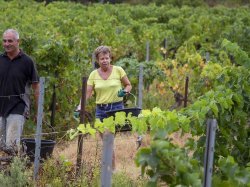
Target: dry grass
125,147
178,139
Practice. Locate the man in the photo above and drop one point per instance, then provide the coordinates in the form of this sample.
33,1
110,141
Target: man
17,74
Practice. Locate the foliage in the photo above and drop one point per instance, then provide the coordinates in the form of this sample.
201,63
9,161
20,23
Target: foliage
237,55
56,172
178,3
64,55
158,95
209,45
121,179
61,172
151,70
233,174
16,175
228,103
163,161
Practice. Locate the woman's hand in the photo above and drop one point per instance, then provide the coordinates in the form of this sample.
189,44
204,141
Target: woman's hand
121,93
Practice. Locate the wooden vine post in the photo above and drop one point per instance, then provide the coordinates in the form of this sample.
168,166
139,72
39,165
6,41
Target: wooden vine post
82,121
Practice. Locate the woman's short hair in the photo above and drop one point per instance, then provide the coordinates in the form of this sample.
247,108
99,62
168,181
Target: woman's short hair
102,49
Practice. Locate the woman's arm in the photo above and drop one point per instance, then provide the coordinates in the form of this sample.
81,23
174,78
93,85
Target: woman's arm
88,95
89,91
126,83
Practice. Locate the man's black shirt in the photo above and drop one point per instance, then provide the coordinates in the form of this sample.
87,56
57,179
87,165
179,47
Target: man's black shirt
16,76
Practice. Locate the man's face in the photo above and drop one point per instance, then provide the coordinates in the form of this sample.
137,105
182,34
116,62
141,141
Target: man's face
10,43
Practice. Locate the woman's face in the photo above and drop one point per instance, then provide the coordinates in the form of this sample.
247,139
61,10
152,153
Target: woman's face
104,60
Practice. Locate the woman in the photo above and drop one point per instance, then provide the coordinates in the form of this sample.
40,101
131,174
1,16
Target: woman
107,81
110,83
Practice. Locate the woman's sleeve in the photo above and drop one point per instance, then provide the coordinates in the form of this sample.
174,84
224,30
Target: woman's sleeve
91,79
122,72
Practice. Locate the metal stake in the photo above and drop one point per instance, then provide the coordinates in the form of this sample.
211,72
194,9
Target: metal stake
39,127
209,152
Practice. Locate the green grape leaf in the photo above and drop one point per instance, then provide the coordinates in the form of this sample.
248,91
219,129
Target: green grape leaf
214,108
120,118
99,125
109,124
72,133
90,130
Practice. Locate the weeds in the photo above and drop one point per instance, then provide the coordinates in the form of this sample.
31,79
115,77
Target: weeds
56,173
121,179
60,170
16,175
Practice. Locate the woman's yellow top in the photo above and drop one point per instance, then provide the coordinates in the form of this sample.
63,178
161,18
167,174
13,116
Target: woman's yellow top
106,90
